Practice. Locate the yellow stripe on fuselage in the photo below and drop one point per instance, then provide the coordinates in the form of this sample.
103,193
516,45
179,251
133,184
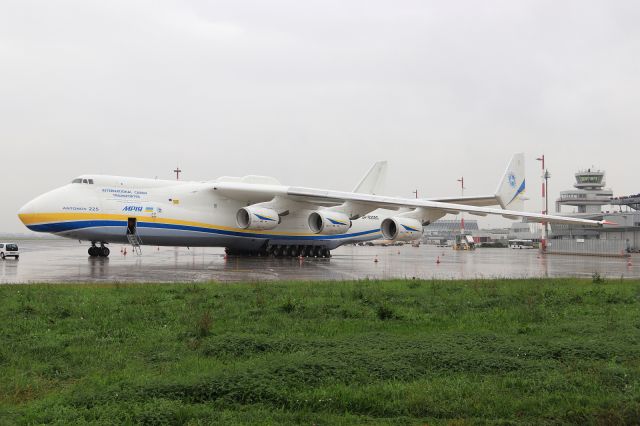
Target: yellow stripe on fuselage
44,218
41,218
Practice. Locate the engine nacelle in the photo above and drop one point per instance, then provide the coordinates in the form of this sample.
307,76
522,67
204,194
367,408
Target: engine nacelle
327,222
258,218
401,229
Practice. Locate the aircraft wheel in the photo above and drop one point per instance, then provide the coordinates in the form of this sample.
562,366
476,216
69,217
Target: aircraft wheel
105,252
2,256
295,251
93,251
316,251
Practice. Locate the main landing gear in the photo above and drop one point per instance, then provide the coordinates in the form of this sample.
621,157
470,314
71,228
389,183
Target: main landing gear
296,251
95,251
281,250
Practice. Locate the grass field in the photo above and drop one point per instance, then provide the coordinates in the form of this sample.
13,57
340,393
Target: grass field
376,352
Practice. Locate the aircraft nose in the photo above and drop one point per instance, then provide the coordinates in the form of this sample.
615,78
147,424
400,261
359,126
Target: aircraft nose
26,212
37,213
32,213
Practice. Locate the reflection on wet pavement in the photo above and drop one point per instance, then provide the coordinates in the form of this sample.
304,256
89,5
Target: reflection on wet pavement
67,261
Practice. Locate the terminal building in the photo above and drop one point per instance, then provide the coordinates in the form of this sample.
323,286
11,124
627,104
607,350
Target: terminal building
444,231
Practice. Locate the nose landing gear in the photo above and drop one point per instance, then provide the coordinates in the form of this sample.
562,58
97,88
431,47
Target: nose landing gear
102,251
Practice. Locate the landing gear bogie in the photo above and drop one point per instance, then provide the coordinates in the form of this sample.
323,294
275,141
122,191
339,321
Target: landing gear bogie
300,251
284,250
101,251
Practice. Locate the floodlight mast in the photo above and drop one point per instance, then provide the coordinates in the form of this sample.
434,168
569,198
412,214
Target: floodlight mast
545,202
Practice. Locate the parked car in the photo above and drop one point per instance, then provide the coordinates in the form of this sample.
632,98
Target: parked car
9,250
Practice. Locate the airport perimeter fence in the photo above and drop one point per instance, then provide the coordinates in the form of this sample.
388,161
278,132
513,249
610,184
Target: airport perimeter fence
587,247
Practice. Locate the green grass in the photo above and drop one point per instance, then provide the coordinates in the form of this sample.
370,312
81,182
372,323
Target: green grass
375,352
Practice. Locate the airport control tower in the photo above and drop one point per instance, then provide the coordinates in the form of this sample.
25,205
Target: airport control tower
589,196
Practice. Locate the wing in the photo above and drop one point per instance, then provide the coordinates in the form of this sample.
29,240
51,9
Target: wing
479,201
356,204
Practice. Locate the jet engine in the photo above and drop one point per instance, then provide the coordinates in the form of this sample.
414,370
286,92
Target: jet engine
401,229
327,222
258,218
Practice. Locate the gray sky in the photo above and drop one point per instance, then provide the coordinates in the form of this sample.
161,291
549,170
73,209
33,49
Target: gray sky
312,92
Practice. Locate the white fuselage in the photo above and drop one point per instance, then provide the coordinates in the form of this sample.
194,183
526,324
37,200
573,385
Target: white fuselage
171,213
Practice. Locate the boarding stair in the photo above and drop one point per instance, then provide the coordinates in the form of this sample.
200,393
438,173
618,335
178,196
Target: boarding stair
135,242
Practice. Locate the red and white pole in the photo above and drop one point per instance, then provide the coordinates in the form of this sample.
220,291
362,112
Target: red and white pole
461,180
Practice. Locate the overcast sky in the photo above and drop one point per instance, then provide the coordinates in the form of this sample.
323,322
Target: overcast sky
313,92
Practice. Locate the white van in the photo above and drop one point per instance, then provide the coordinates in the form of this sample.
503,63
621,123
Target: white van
9,250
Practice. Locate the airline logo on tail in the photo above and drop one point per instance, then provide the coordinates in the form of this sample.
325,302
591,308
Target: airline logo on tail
518,192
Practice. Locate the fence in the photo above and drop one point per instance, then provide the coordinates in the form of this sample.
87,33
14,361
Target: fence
588,247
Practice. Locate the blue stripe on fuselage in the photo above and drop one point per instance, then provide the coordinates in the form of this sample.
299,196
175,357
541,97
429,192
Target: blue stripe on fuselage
83,224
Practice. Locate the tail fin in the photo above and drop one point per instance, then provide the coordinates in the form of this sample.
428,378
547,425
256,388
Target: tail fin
510,192
372,182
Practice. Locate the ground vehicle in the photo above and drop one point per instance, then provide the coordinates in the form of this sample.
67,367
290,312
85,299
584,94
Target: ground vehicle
464,242
521,244
9,250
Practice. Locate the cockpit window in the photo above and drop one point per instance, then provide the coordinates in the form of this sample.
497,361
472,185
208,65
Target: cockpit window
81,180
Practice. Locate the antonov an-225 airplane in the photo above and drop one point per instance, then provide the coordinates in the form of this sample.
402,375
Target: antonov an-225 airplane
255,214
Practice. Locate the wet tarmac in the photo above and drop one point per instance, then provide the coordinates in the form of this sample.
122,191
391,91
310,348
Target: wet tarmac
67,261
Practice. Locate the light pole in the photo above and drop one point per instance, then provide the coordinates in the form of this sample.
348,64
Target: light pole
177,171
546,177
545,202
